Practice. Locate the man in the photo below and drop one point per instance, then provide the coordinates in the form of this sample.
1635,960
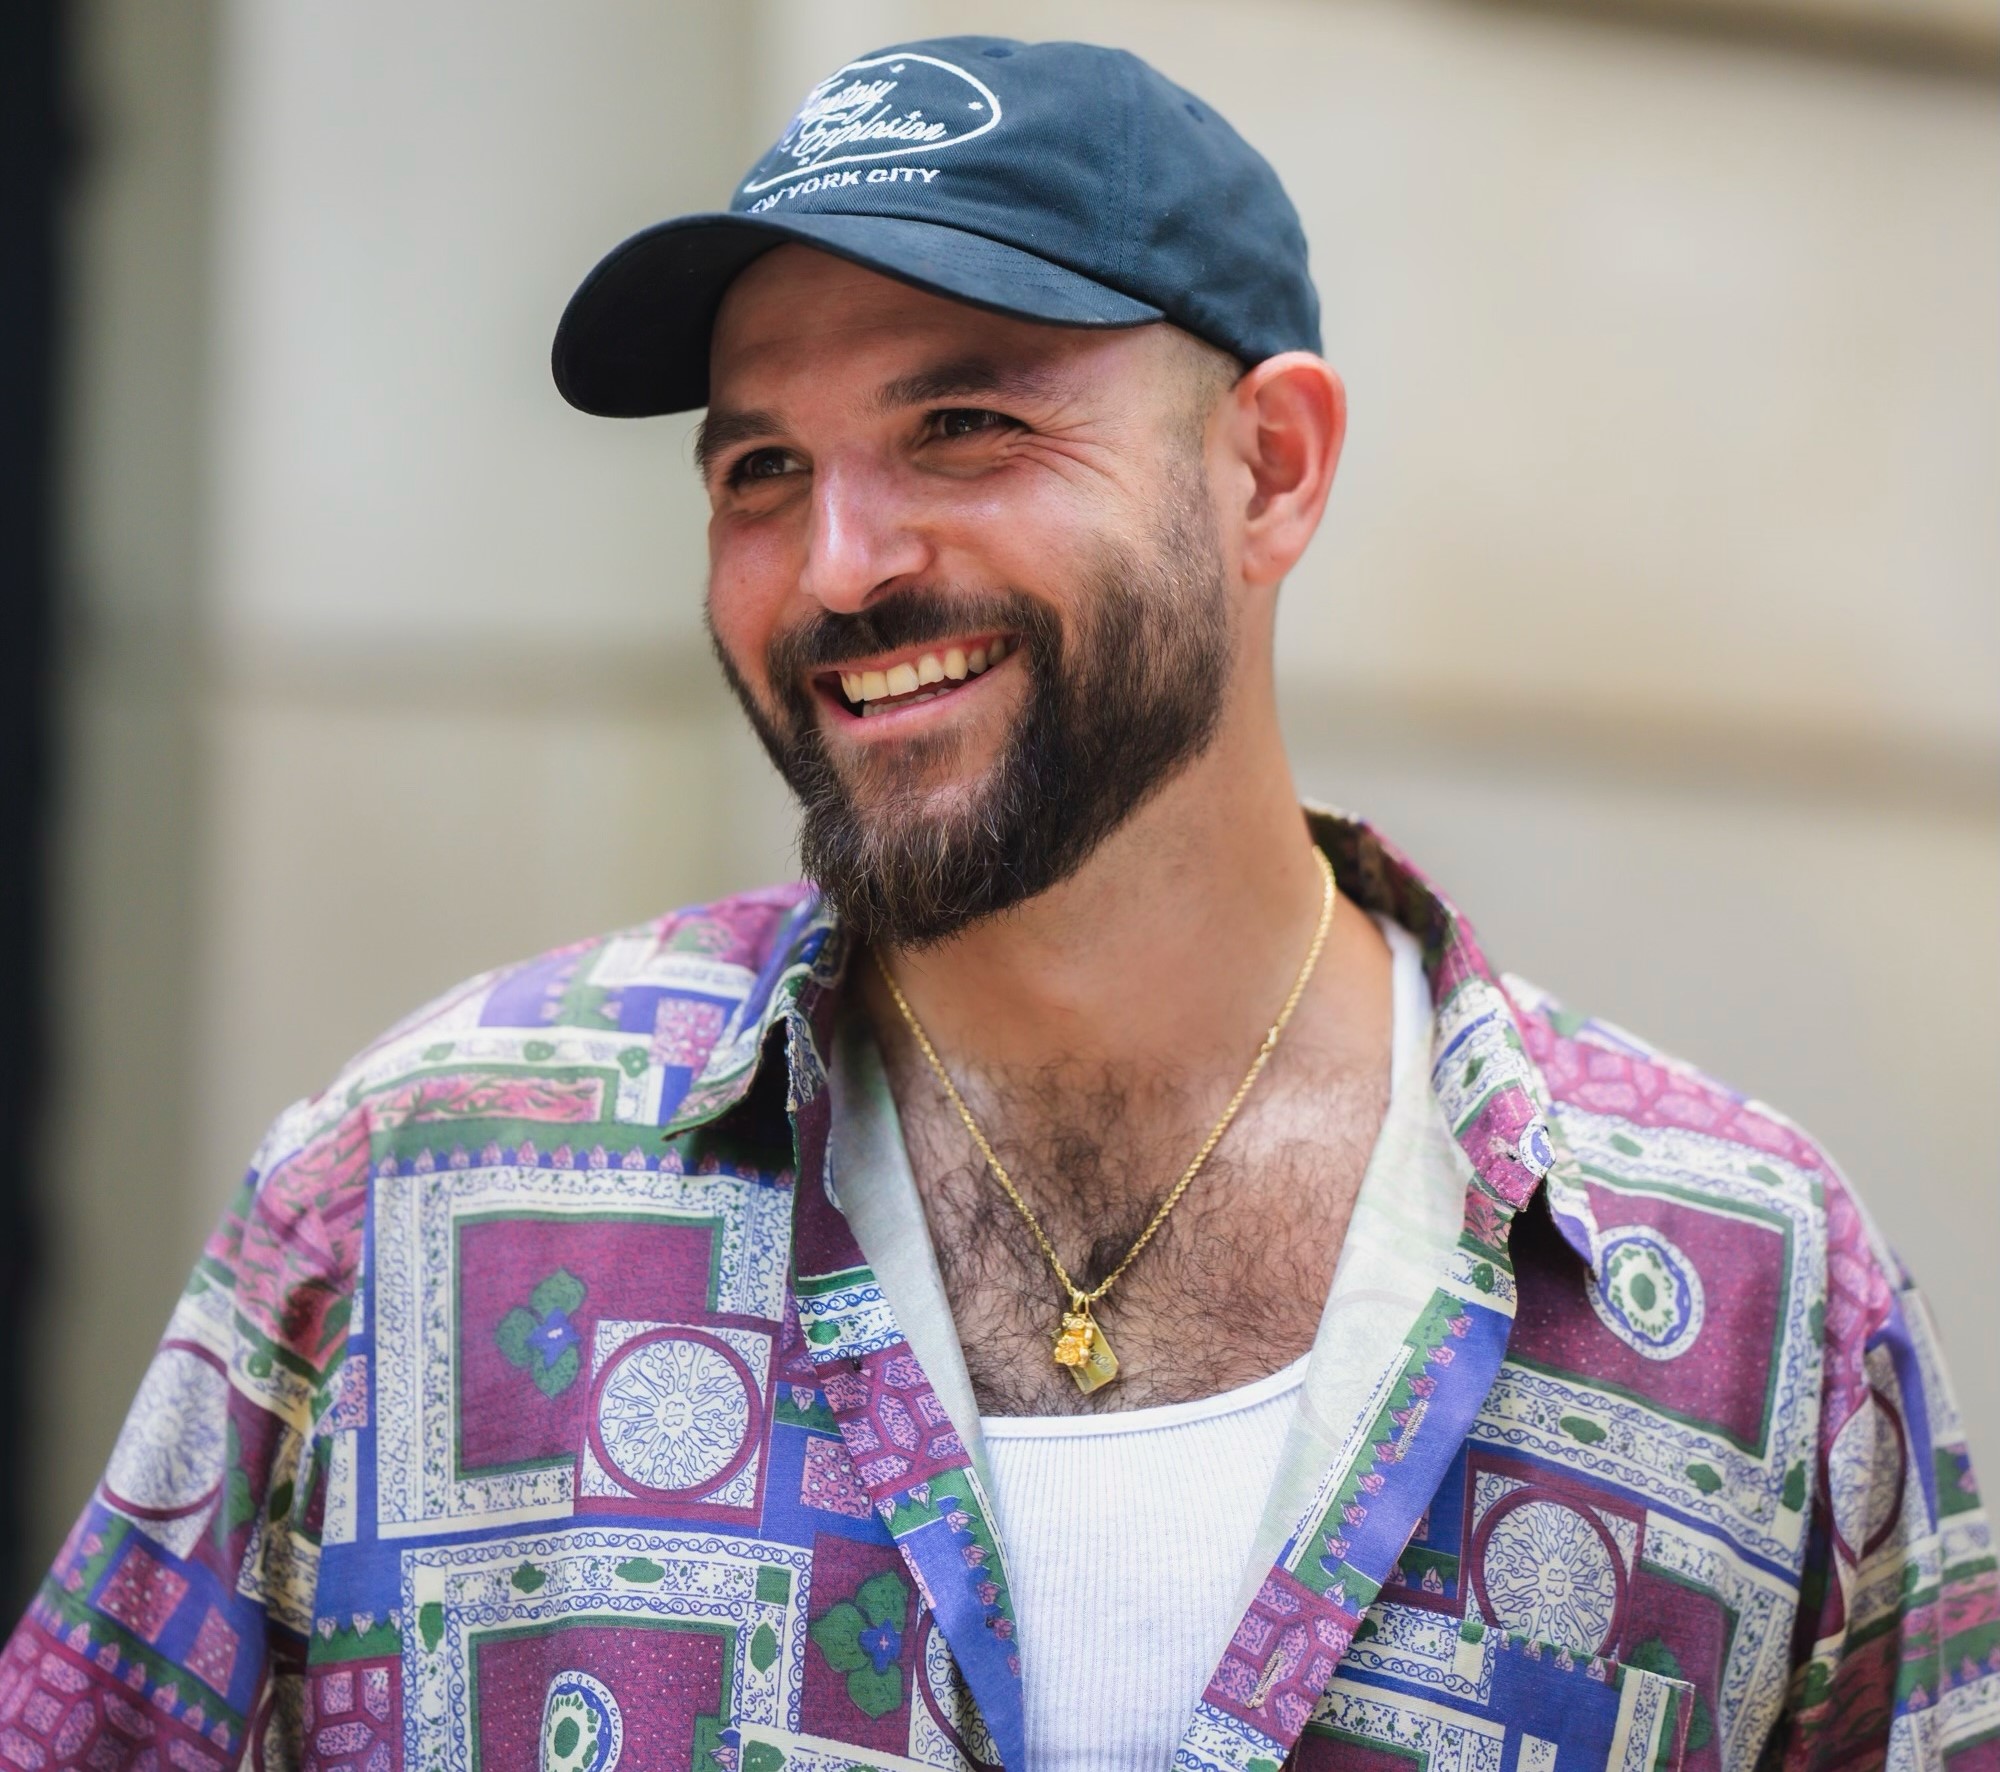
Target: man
1075,1288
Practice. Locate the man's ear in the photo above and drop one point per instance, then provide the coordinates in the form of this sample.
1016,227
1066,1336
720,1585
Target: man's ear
1290,419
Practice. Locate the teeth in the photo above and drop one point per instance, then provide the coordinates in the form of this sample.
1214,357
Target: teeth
902,682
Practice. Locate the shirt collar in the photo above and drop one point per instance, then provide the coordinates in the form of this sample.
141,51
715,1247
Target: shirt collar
1493,1093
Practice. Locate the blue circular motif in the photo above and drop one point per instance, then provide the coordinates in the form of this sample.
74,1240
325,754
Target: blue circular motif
582,1727
1648,1293
1545,1568
675,1413
1536,1153
172,1455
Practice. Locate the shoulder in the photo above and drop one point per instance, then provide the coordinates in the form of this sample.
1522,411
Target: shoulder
1625,1106
609,1029
1681,1168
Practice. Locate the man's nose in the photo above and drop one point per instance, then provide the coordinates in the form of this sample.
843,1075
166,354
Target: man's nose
862,542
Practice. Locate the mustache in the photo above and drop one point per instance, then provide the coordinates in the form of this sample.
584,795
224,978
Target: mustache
907,617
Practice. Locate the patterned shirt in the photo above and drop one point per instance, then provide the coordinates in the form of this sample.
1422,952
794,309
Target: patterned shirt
534,1406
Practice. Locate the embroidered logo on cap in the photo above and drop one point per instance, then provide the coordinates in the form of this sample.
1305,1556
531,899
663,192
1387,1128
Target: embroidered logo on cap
885,108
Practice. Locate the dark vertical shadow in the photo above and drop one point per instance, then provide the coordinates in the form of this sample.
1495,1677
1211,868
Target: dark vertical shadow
34,168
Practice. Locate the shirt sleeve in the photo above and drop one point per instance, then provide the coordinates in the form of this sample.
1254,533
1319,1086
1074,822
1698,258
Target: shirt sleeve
1897,1656
172,1629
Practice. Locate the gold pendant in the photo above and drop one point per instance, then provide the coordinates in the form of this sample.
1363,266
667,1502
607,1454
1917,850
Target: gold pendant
1083,1349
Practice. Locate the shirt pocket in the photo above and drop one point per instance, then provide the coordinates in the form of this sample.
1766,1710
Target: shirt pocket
1509,1701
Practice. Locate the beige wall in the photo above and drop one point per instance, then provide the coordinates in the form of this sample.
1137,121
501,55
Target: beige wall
1654,613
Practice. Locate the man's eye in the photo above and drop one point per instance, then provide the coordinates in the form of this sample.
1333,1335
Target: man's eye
759,464
967,421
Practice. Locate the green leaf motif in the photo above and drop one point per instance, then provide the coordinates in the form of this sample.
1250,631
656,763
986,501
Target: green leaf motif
639,1569
430,1624
1580,1427
884,1599
632,1061
1701,1728
335,1326
1793,1495
838,1636
552,1381
763,1647
761,1756
881,1600
1655,1657
1630,1146
442,1050
561,1291
1482,1276
875,1695
511,1336
528,1578
239,1505
536,1051
242,1507
1704,1478
280,1504
821,1333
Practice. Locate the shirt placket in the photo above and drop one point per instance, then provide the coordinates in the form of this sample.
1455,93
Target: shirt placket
1291,1638
909,1457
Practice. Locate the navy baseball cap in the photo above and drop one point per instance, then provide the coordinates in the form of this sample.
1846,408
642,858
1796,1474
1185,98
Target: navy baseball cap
1060,182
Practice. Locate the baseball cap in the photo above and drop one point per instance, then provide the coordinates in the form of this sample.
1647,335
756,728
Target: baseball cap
1060,182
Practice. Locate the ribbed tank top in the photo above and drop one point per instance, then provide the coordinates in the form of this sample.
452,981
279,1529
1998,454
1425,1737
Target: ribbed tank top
1127,1536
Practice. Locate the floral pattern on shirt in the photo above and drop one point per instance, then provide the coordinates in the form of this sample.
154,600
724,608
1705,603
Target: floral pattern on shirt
533,1407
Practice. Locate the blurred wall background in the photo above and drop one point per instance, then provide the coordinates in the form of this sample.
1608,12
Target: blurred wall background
1655,610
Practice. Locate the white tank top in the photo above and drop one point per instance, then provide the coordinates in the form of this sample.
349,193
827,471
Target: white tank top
1127,1535
1130,1536
1126,1538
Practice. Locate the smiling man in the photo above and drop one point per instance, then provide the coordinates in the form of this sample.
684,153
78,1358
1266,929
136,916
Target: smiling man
1105,1276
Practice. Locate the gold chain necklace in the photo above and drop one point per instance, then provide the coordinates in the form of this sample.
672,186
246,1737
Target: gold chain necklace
1081,1346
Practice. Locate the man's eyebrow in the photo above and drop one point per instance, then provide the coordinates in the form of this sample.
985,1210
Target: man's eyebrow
960,379
965,378
721,431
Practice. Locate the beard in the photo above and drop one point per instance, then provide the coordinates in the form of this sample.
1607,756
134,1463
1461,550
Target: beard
1115,708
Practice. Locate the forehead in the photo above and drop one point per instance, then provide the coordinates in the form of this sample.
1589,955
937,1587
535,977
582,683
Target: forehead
798,320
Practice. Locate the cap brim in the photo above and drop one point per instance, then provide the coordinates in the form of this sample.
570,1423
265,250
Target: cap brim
633,341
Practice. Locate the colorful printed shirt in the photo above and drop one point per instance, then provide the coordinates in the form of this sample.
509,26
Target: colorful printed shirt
534,1407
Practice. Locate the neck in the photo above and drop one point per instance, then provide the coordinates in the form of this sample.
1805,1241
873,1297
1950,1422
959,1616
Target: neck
1168,951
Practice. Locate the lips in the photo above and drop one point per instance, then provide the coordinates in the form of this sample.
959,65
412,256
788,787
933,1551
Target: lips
918,676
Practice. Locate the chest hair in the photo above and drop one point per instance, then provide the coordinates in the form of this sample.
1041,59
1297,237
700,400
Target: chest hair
1228,1291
